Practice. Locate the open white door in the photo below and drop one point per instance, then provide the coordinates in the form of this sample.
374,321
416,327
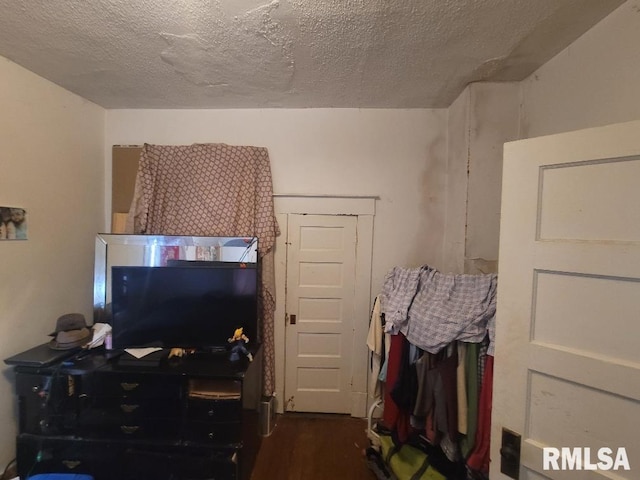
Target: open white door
567,360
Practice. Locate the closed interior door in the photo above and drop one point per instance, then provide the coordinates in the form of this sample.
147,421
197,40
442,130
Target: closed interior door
320,308
567,364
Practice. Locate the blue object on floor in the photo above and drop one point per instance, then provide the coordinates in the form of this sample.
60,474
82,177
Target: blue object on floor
61,476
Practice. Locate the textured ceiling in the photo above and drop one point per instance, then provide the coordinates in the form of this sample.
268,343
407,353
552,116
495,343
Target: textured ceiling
287,53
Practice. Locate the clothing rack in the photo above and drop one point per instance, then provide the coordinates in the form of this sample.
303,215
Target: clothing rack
411,305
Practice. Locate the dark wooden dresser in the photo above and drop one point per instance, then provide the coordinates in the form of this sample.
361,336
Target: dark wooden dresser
189,418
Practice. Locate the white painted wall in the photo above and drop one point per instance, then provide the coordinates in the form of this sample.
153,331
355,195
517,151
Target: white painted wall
494,114
482,118
51,144
457,183
595,81
398,155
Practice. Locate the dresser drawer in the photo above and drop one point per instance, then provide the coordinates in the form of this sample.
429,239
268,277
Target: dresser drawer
214,410
29,384
48,405
138,407
136,385
213,433
36,454
94,423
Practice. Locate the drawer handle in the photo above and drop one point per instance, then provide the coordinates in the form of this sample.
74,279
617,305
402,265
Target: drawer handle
129,429
210,435
128,408
71,464
211,412
129,386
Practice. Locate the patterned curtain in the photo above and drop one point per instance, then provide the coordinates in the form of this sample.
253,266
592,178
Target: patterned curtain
213,190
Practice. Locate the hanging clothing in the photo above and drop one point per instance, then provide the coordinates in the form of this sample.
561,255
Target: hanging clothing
399,287
437,398
433,309
450,319
212,190
396,417
472,387
461,374
479,458
375,342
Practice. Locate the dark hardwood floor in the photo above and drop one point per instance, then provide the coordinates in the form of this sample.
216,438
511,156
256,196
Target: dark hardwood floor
314,447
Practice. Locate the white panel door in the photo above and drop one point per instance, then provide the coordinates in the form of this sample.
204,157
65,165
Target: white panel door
321,272
567,360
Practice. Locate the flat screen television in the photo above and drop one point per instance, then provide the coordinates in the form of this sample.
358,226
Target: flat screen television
190,306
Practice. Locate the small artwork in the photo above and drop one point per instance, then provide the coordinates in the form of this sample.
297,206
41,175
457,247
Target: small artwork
169,253
13,223
208,254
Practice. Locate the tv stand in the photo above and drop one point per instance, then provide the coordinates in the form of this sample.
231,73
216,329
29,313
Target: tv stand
188,418
209,350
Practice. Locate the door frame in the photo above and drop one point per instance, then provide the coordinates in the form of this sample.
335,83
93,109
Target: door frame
364,208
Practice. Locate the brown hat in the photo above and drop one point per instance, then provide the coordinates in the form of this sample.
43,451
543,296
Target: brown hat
71,331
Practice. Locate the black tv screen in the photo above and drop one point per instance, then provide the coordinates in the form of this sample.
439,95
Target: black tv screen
183,306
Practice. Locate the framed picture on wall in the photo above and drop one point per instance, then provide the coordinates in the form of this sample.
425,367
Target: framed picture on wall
13,223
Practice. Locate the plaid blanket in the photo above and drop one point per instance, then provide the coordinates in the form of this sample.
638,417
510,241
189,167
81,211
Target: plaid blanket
433,309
